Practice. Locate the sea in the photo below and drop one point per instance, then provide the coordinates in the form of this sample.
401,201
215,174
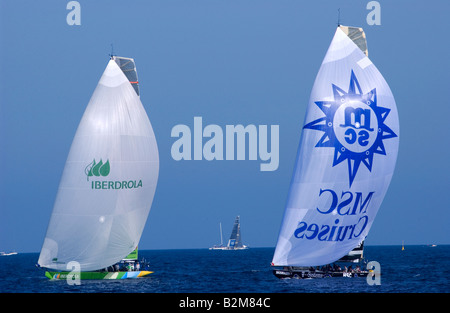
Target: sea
246,274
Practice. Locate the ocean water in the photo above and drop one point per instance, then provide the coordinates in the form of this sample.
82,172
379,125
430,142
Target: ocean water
417,269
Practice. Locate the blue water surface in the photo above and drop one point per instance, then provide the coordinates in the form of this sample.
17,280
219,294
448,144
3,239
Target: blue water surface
417,269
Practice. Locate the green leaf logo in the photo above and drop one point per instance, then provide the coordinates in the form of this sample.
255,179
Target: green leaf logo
97,169
104,169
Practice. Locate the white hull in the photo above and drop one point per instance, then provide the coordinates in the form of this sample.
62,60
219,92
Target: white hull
229,248
7,254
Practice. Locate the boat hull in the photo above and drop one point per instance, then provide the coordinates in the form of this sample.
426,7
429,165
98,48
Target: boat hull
304,274
97,275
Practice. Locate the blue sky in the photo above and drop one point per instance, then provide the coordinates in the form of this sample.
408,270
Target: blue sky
230,62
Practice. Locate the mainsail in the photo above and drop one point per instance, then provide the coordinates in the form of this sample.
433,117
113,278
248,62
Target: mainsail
109,179
356,255
357,35
235,241
129,69
345,161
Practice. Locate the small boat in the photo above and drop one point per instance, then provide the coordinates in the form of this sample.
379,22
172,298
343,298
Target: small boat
7,253
345,161
107,187
235,241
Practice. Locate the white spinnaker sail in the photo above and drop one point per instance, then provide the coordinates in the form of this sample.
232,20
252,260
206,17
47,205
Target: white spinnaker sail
108,183
345,161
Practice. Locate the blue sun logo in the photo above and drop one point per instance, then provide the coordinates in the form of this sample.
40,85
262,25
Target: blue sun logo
354,126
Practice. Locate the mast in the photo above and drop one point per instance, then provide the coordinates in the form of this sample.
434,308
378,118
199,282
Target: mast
111,55
221,237
339,17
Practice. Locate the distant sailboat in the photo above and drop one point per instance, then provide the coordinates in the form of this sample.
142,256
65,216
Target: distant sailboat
108,183
7,253
235,241
345,162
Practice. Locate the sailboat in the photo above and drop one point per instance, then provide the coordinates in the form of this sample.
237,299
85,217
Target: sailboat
345,161
107,186
235,241
7,253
